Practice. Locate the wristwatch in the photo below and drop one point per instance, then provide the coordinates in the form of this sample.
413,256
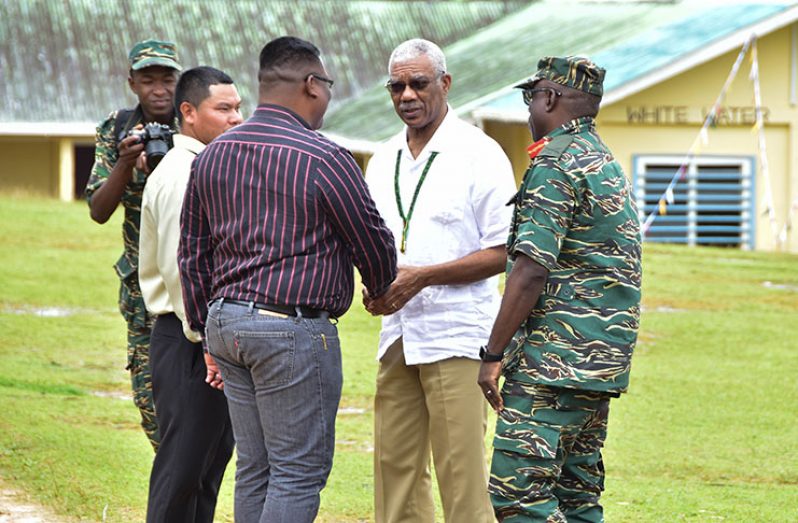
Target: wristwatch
484,355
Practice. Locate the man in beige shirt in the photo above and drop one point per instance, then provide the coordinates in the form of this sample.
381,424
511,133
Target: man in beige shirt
196,434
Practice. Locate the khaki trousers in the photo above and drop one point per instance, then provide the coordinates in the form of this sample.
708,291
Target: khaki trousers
435,408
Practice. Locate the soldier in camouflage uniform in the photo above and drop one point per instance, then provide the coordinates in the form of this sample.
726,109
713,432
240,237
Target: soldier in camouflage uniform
118,175
569,316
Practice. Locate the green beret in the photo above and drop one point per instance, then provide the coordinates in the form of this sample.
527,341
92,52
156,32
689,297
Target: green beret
575,72
153,52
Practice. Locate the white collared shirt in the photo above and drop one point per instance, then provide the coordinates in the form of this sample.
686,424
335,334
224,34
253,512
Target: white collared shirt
159,235
461,209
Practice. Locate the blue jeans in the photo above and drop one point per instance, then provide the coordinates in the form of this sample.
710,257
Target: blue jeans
282,378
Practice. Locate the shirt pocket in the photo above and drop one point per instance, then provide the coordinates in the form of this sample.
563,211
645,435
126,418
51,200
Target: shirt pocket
556,296
438,233
448,211
131,304
561,290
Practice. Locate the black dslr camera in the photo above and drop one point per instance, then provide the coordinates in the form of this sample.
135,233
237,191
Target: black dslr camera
157,140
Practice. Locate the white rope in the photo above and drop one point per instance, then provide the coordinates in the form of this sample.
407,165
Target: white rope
788,222
667,195
764,167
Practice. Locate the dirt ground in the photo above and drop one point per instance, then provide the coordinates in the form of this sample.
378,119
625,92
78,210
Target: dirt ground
15,509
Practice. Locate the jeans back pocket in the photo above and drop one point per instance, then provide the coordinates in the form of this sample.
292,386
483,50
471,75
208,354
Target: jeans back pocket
268,355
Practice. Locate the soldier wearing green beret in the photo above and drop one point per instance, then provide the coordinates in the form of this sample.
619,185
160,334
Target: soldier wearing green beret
118,175
568,321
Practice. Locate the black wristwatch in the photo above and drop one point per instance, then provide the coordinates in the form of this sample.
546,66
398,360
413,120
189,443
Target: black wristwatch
484,355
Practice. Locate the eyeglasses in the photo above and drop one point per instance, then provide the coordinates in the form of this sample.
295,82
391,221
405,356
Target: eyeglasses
416,84
320,78
529,93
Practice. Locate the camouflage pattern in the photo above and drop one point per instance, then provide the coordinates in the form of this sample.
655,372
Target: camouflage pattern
131,304
575,215
571,71
547,463
138,352
149,53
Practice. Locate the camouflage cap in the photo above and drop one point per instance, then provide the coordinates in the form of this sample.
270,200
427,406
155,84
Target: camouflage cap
153,52
571,71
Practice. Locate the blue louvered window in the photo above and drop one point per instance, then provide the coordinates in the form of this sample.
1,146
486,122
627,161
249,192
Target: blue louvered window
713,203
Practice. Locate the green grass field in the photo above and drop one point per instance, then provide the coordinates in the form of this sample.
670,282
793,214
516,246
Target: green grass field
708,431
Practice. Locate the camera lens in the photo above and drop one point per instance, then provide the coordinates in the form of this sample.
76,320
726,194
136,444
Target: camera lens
155,149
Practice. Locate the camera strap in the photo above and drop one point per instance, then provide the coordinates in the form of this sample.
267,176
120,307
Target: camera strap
125,120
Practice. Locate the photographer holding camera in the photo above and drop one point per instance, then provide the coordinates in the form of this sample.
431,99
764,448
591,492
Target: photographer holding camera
118,175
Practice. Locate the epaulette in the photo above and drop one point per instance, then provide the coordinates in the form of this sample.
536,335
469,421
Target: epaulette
557,146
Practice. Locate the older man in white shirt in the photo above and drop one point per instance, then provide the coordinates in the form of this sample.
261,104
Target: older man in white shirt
196,434
442,187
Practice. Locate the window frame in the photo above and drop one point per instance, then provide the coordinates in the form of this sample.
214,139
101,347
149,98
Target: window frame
694,235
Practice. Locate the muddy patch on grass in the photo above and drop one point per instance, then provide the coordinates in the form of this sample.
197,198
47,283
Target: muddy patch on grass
780,286
114,394
50,312
662,308
351,411
14,509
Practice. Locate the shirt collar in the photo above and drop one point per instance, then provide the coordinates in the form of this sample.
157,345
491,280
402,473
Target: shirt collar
439,140
534,149
575,126
188,143
281,113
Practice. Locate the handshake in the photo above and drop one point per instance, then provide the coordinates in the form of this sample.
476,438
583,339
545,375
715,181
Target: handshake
409,282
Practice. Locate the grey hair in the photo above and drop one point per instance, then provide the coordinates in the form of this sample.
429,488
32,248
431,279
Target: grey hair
416,47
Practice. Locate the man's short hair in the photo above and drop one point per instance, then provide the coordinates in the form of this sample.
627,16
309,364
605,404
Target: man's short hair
287,52
412,49
581,103
194,86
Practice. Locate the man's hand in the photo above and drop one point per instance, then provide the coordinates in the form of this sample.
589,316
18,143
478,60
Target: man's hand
214,377
106,199
367,300
488,381
131,150
409,282
141,164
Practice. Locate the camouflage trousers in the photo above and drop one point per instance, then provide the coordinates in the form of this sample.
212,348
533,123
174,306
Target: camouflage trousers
547,464
139,327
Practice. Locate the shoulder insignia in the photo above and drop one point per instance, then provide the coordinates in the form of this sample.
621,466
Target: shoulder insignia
557,146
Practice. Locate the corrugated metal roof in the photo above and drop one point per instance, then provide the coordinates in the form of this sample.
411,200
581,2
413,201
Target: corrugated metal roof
626,38
662,45
66,60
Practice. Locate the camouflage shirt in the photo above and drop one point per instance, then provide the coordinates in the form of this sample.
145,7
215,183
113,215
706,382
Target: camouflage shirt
105,157
575,215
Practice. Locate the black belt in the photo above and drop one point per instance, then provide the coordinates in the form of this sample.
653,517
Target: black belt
288,310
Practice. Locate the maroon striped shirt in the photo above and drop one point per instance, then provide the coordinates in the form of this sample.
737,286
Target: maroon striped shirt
276,213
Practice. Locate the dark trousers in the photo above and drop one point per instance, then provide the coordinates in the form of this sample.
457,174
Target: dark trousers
196,434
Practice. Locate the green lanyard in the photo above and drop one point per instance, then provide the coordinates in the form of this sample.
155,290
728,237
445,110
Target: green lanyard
406,219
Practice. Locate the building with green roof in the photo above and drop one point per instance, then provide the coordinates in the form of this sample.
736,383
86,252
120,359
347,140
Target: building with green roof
63,67
666,65
63,63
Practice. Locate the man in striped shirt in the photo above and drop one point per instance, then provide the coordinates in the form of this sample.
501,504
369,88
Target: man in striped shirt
274,217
